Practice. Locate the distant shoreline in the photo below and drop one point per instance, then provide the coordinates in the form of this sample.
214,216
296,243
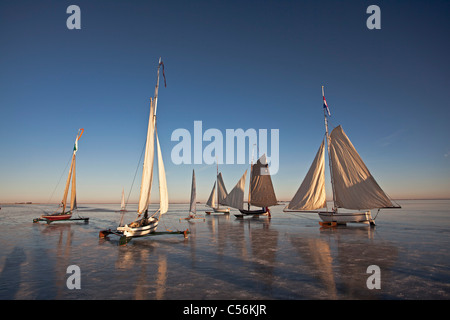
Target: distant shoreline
83,203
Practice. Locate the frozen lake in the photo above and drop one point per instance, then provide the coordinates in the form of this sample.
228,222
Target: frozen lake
284,258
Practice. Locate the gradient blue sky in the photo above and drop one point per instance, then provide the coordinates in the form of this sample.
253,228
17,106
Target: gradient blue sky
231,64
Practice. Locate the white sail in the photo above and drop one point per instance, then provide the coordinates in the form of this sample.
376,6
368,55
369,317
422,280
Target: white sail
192,206
354,186
147,170
163,193
212,199
261,187
221,190
235,198
122,203
311,193
148,224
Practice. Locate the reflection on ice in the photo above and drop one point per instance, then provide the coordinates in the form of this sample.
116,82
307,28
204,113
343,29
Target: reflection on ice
339,260
285,257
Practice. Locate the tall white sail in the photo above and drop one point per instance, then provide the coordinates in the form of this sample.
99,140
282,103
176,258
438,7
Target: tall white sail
212,199
311,193
261,187
163,193
354,186
148,223
221,190
147,170
192,206
235,198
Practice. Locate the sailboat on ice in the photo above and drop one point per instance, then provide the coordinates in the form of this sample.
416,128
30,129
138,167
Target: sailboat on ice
146,223
122,203
353,186
64,215
192,204
221,194
261,192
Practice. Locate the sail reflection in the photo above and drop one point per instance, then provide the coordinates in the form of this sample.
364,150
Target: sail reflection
339,258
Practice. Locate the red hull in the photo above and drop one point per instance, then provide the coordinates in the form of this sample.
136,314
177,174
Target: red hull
57,217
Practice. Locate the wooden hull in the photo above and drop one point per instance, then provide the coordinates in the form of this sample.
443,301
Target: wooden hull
49,218
347,217
138,231
57,217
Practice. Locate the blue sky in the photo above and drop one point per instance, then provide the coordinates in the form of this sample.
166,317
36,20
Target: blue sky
230,64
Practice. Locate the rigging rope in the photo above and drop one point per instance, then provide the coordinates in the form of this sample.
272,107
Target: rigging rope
376,214
135,173
59,181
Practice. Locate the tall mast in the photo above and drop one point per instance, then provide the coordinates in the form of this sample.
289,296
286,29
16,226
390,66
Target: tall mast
72,169
217,180
328,148
157,87
147,169
66,190
250,182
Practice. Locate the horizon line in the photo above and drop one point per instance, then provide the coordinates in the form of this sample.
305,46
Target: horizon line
186,202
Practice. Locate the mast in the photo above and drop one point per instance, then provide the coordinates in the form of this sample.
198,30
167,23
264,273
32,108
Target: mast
66,190
250,185
192,205
328,146
147,170
72,176
217,180
157,86
73,191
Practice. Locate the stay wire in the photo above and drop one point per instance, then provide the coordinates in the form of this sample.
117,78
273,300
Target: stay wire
135,174
59,181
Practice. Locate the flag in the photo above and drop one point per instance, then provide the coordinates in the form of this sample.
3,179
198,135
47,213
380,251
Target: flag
164,75
75,147
325,106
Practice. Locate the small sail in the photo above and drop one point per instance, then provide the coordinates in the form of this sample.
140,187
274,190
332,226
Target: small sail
221,190
122,202
212,200
147,170
235,198
311,193
163,194
354,186
192,206
261,187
